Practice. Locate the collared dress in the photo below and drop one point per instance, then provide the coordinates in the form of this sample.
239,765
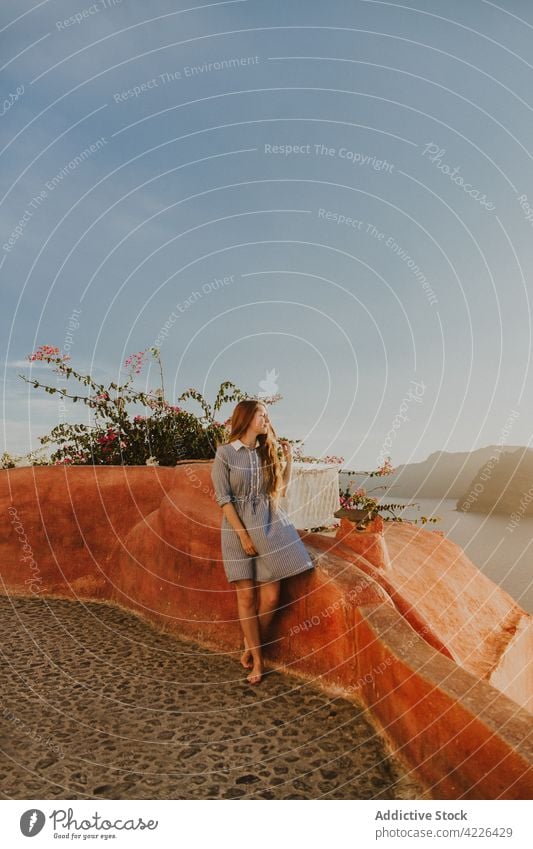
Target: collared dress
237,476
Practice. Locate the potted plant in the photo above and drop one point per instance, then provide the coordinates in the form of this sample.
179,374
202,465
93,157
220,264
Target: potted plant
361,508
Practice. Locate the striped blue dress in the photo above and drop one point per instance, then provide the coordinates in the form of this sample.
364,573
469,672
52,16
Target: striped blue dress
237,476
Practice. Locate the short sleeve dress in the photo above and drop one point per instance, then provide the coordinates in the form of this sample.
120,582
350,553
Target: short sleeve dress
237,476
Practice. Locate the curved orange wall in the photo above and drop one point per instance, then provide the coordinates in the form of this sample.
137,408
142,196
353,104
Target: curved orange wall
148,539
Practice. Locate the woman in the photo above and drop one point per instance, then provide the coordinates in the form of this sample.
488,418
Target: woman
259,543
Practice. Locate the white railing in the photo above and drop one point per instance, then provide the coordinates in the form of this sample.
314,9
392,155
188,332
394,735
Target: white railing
313,495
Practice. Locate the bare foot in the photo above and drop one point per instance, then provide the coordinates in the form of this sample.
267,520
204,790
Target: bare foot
246,657
255,675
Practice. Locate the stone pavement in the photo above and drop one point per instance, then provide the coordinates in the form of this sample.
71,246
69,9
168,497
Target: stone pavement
97,704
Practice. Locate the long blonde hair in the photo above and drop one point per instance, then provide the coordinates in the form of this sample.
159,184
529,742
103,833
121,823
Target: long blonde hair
240,421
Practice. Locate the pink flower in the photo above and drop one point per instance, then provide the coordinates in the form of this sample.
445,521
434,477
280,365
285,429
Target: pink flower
386,468
47,352
135,361
110,436
333,459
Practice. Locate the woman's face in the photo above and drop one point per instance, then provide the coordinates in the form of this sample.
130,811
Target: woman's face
260,420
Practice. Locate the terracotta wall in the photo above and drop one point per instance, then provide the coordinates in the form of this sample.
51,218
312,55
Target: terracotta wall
375,621
457,609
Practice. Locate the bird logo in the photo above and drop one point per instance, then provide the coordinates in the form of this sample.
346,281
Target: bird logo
269,385
32,822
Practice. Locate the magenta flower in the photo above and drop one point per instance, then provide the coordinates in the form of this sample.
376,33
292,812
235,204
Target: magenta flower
386,468
47,352
331,458
135,361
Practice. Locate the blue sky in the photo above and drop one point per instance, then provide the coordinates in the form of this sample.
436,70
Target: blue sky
344,186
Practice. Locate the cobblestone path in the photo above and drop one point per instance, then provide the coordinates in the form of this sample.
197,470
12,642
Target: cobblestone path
97,704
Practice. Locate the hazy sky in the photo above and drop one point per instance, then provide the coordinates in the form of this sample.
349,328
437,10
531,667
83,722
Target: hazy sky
333,201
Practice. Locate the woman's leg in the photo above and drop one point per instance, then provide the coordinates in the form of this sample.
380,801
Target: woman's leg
268,604
246,657
268,592
246,604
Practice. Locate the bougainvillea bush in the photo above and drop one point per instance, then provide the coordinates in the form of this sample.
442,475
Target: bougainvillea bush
129,427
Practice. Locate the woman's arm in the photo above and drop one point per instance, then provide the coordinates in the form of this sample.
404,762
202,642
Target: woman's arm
224,498
233,518
287,471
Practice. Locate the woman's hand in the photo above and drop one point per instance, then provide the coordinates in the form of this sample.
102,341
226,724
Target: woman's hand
236,523
286,447
246,542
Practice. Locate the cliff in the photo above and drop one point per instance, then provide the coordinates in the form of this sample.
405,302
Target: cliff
504,485
444,474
